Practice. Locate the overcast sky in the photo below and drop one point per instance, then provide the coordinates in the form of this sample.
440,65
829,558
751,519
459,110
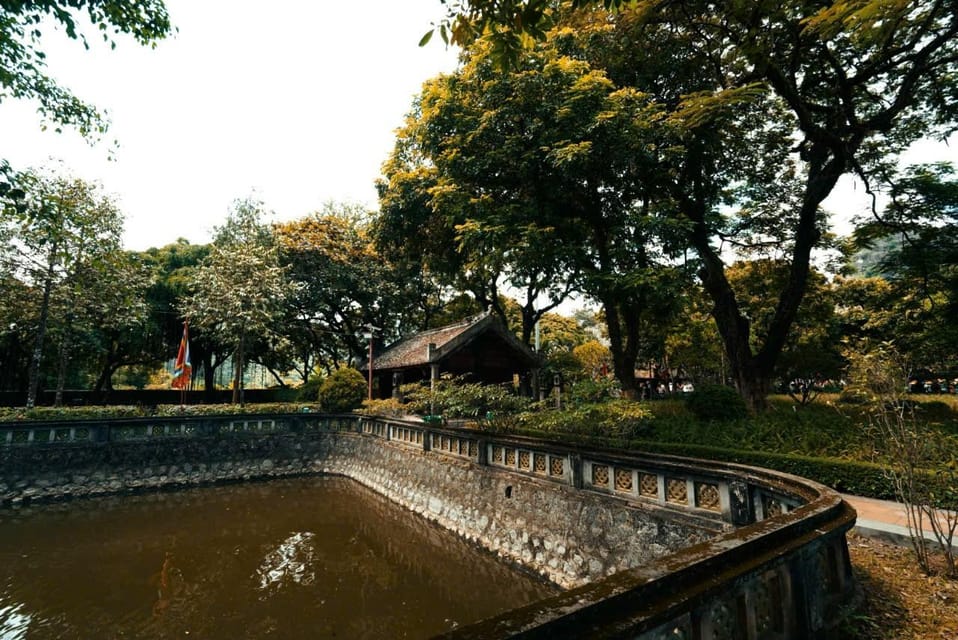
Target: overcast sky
293,102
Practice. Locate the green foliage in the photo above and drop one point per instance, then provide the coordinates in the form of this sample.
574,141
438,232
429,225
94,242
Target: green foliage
456,398
614,419
823,429
20,414
342,283
238,294
811,352
755,148
63,244
589,390
853,397
388,408
848,476
910,445
309,392
916,296
342,391
483,196
716,402
23,61
816,442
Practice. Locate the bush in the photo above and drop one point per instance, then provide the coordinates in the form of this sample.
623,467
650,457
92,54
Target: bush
309,391
716,402
614,419
589,390
455,398
388,408
342,391
847,476
113,412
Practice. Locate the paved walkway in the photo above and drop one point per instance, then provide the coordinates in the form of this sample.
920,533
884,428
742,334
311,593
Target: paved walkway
882,519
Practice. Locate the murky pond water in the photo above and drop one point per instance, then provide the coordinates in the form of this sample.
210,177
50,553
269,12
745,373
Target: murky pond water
299,558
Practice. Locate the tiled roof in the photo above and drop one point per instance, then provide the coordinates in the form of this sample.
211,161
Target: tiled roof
413,351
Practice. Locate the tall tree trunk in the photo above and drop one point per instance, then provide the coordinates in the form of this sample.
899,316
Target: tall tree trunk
752,372
34,375
209,377
63,360
623,344
238,370
619,319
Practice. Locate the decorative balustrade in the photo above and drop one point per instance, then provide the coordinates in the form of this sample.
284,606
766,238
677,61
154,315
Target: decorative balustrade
659,480
44,435
779,571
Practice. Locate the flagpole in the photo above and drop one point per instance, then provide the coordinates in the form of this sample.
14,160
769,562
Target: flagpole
182,370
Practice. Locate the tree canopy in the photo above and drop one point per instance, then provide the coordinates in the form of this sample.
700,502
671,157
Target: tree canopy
61,243
536,179
839,88
239,291
25,24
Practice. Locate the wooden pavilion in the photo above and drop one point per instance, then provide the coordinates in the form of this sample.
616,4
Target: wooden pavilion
479,347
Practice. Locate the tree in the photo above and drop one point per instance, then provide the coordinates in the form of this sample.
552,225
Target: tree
17,306
122,326
593,358
917,259
811,354
856,80
407,233
67,230
173,268
22,60
240,289
537,178
472,183
693,346
343,286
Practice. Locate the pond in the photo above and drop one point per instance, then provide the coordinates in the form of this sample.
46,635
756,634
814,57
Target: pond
317,557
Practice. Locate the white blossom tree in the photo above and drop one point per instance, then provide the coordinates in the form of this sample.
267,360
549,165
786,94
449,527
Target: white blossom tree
240,289
65,228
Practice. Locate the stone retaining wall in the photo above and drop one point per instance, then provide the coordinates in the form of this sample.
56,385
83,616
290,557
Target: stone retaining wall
652,547
569,537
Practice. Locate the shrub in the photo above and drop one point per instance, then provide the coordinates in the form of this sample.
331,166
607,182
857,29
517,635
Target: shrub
108,412
912,445
388,408
309,391
287,394
455,398
342,391
614,419
716,402
589,390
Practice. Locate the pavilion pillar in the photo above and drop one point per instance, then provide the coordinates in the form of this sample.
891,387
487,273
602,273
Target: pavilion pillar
433,376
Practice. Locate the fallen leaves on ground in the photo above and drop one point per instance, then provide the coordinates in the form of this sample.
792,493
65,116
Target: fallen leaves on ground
900,602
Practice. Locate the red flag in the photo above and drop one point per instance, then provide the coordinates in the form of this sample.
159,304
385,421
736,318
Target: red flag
182,370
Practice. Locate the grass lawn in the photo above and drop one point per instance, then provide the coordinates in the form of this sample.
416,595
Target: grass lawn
825,428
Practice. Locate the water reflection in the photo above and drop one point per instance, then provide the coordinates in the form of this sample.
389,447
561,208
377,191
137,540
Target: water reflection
291,562
301,558
13,622
169,582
